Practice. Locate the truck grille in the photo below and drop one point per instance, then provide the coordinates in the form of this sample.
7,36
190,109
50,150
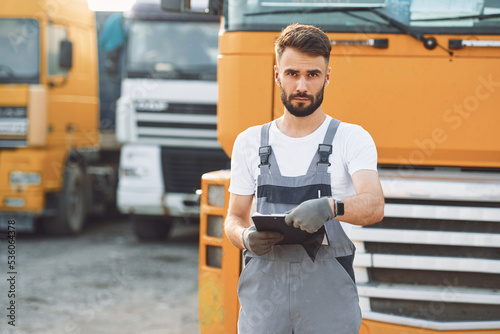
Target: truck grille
13,127
437,310
183,168
177,124
433,263
181,108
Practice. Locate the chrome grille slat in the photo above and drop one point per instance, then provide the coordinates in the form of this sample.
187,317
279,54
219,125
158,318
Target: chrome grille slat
439,244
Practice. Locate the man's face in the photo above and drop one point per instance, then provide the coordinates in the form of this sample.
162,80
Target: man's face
302,79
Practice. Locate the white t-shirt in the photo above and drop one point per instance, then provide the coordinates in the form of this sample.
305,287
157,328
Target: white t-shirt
353,150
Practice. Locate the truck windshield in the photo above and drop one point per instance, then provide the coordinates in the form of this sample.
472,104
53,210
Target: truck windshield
19,51
423,16
173,50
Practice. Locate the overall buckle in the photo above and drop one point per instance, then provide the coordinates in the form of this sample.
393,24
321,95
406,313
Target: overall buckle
324,151
264,153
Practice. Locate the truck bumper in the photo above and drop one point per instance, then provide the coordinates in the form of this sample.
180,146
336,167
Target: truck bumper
22,207
26,201
23,222
151,202
25,193
376,327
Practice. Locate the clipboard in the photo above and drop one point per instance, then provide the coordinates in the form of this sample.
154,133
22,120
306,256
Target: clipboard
276,223
310,241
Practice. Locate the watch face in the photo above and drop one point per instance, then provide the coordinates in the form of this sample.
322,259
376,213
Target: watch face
340,208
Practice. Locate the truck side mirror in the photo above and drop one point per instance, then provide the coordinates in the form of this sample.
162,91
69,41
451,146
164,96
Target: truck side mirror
66,54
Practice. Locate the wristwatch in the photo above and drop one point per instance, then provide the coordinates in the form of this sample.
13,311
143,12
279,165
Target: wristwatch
338,206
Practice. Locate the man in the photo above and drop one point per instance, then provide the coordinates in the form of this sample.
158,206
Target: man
323,171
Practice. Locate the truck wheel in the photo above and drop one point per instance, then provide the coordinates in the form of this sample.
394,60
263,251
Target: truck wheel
151,229
71,208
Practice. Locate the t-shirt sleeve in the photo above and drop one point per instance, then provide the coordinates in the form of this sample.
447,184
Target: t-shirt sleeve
360,151
242,179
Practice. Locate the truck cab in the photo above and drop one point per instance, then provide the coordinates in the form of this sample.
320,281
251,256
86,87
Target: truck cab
166,117
422,78
49,116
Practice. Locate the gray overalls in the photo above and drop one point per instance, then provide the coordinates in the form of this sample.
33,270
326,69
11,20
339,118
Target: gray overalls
284,291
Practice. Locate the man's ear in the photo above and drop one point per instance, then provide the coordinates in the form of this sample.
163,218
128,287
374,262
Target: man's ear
327,76
277,75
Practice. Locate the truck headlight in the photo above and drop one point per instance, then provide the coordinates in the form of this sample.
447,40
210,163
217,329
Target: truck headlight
135,172
24,179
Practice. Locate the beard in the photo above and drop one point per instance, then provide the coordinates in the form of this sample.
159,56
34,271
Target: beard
301,110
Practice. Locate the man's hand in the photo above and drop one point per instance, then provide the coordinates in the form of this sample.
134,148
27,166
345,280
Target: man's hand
260,243
310,215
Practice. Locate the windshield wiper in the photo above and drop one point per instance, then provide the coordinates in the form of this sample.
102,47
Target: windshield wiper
457,18
313,10
429,43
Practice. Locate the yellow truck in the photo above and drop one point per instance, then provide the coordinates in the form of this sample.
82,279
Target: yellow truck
50,165
423,77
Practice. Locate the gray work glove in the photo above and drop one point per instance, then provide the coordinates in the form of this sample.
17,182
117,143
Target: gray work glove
310,215
259,242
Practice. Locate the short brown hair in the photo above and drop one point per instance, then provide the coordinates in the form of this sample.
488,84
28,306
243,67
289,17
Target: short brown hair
304,38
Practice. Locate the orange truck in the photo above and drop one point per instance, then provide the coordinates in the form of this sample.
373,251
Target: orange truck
50,165
423,77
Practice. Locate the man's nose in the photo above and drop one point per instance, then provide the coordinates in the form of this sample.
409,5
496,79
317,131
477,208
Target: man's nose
301,85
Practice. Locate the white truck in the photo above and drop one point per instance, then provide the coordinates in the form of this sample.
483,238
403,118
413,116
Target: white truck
166,117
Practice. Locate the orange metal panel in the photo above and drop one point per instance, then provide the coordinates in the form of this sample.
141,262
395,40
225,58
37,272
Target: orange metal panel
34,201
218,301
75,12
74,105
421,111
245,95
14,95
54,168
210,284
422,107
262,43
22,161
211,302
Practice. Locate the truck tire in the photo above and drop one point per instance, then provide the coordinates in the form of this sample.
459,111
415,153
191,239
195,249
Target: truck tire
151,228
71,204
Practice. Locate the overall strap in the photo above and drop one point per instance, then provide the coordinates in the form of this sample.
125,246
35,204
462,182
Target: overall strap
264,134
321,162
332,130
265,149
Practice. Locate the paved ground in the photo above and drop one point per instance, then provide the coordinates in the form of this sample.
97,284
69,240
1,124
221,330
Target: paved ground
103,281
